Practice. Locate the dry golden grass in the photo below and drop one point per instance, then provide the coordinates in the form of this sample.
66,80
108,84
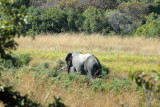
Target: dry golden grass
81,42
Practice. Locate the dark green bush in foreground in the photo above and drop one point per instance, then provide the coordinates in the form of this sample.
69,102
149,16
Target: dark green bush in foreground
16,61
14,99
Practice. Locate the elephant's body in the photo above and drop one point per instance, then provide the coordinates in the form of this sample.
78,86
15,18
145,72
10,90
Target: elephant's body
86,64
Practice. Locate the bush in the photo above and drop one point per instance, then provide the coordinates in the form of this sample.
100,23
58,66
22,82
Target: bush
134,10
14,99
78,77
45,65
118,22
155,7
16,60
94,21
74,77
59,64
34,20
19,3
53,20
118,85
104,4
122,1
11,25
75,21
151,28
105,72
98,84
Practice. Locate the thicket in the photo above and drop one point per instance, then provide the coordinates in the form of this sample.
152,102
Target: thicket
125,17
12,21
151,28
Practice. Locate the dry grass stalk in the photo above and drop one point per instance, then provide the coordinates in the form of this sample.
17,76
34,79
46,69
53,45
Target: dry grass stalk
68,42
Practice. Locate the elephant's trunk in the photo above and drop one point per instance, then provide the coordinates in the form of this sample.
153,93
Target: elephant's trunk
98,74
64,67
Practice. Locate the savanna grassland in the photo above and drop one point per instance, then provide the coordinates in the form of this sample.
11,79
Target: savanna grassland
42,78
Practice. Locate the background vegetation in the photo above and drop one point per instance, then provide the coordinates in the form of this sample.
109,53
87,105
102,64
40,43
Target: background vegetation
122,17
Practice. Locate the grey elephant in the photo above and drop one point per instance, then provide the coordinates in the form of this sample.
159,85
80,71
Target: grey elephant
86,64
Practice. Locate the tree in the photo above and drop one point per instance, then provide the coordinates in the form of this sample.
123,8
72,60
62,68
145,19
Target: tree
94,21
136,11
151,28
104,4
19,3
118,22
12,21
155,7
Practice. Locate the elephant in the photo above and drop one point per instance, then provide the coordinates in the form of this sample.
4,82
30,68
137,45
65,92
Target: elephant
86,64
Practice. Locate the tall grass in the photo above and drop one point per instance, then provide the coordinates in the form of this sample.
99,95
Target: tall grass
70,42
119,54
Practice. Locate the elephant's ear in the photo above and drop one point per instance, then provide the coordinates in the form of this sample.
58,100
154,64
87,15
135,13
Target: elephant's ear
68,57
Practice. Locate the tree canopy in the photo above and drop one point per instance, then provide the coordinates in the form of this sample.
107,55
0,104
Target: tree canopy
12,21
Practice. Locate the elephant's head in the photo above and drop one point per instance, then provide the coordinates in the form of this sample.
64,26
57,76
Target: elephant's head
69,61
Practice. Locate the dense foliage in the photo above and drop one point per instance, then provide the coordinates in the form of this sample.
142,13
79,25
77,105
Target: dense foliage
151,28
12,21
125,17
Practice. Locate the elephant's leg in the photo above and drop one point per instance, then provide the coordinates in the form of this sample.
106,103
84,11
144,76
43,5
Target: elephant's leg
93,70
72,69
81,69
88,67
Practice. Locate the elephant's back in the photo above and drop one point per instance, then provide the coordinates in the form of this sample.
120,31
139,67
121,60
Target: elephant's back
93,60
81,58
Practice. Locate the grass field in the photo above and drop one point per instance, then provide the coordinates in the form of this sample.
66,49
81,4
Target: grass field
120,55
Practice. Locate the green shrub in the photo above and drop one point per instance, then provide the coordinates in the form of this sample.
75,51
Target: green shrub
94,21
77,77
151,28
75,21
53,20
16,60
20,60
122,1
118,22
59,64
34,20
19,3
118,85
6,64
99,84
45,65
105,72
11,26
155,7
